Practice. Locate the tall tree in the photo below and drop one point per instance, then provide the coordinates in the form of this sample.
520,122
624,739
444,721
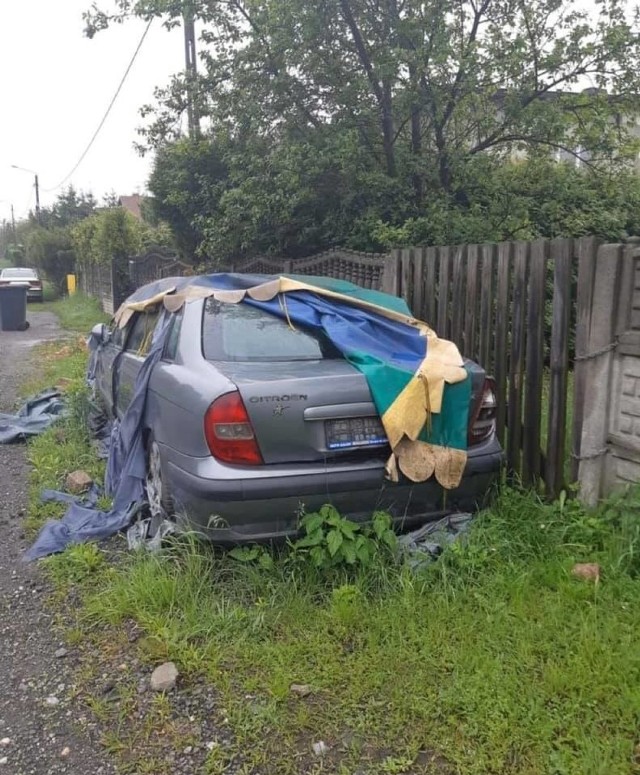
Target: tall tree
426,85
413,99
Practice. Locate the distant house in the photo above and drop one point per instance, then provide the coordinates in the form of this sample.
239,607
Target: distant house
621,117
132,204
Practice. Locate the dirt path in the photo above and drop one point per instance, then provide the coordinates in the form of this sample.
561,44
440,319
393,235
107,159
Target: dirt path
40,727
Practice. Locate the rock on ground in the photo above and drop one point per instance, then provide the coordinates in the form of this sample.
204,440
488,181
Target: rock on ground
78,482
588,571
164,677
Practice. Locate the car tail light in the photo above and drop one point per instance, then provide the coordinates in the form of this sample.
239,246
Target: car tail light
483,420
229,433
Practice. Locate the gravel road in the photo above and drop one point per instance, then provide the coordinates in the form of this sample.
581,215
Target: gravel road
39,729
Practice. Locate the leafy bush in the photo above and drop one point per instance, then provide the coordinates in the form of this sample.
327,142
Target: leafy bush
332,541
51,250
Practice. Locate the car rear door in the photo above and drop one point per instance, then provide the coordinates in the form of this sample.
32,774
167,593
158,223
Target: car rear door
136,347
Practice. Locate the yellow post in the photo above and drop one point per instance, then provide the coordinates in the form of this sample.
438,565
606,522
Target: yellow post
71,284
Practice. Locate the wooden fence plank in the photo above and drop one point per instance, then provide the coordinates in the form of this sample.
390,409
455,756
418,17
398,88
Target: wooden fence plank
531,454
486,303
559,366
430,286
418,283
587,248
391,274
516,367
471,305
505,250
406,283
444,283
457,299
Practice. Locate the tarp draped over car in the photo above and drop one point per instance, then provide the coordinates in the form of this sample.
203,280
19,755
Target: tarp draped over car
418,382
126,471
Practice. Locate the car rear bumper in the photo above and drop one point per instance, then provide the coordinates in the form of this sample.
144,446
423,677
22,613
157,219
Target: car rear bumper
268,508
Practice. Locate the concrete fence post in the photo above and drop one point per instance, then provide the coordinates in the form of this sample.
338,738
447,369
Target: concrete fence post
598,358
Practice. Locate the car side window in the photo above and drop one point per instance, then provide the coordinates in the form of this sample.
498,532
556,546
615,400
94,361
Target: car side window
139,338
118,336
171,346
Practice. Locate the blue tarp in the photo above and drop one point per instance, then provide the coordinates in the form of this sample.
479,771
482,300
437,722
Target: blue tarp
37,414
126,468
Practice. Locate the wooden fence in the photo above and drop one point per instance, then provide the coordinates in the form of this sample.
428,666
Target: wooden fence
518,308
103,281
511,307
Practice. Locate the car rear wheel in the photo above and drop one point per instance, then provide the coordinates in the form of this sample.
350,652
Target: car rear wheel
158,494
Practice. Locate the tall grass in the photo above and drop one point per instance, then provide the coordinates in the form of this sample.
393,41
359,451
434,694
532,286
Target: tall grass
78,312
496,659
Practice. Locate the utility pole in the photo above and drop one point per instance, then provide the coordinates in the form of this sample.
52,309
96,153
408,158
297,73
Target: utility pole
13,226
191,69
37,199
35,174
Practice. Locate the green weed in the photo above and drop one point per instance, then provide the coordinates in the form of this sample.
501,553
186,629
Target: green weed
331,541
76,565
78,313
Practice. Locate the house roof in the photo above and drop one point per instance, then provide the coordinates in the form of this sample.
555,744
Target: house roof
132,204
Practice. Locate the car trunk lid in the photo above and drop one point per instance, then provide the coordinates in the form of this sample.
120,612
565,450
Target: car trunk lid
305,411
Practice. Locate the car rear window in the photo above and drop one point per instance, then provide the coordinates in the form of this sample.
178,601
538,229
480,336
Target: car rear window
240,332
12,274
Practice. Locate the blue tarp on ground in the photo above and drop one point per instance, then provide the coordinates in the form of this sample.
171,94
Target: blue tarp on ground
37,414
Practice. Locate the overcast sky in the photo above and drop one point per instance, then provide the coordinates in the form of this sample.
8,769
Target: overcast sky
55,87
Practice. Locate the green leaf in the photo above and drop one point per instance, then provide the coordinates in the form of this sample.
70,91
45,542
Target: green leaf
363,551
348,550
312,522
328,512
348,528
390,539
244,553
313,539
334,541
380,522
318,555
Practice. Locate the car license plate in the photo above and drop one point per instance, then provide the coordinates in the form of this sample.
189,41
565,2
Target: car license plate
354,432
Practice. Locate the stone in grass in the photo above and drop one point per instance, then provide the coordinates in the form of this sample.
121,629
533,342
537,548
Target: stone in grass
302,690
164,677
320,748
78,482
588,571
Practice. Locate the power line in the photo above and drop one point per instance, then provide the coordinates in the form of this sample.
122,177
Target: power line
106,115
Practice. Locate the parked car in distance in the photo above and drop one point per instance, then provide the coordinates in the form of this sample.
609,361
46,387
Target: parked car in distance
249,423
18,275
